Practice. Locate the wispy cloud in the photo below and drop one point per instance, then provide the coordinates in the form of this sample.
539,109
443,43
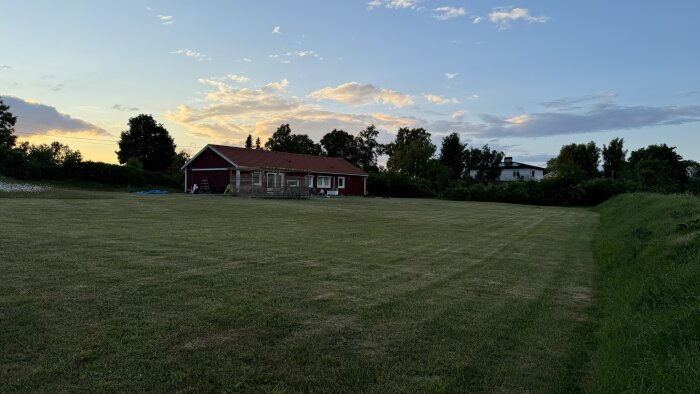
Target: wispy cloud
238,78
198,56
277,30
34,118
166,19
289,56
355,93
120,107
247,60
503,16
4,67
440,100
688,93
451,75
445,13
477,19
571,103
393,4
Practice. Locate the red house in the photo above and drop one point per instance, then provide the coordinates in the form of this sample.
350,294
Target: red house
252,171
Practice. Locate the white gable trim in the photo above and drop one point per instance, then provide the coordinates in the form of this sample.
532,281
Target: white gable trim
202,151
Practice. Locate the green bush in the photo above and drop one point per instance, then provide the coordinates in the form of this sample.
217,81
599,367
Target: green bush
393,184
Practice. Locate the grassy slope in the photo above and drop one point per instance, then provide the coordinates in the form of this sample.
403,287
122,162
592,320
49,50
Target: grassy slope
199,293
649,338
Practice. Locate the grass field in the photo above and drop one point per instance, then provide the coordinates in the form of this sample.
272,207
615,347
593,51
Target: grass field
118,292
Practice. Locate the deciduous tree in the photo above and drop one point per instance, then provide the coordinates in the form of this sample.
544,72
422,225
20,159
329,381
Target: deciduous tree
410,152
452,155
283,140
614,158
147,141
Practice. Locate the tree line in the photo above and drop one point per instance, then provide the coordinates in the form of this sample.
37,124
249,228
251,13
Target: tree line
579,174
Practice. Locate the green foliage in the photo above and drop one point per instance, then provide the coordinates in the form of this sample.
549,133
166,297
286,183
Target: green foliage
452,155
584,156
283,140
410,152
149,142
339,143
7,128
658,168
486,161
112,174
614,156
648,337
368,149
393,184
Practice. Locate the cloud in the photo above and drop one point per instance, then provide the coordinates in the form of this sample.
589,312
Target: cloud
568,103
393,4
597,118
451,75
503,16
277,30
227,114
198,56
238,78
35,118
458,115
445,13
477,19
120,107
439,100
166,19
355,93
687,93
4,67
247,60
289,56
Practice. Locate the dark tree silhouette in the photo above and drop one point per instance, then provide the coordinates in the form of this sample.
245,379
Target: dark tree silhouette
577,157
283,140
249,142
339,143
368,149
147,141
452,155
410,152
486,162
257,143
614,158
7,127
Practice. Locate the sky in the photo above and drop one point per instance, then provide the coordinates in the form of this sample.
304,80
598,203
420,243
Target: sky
525,77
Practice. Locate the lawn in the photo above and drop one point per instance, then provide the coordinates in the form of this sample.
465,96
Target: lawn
117,292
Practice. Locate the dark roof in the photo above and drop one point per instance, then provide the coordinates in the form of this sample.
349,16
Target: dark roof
515,166
259,158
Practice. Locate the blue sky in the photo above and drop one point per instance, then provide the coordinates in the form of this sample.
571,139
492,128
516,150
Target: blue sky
523,76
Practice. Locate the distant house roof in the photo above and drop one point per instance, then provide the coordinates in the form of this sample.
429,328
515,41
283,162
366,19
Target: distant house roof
259,158
514,165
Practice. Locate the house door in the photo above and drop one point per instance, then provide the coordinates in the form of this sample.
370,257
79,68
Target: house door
274,181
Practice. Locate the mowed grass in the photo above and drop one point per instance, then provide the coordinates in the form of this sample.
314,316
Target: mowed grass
208,293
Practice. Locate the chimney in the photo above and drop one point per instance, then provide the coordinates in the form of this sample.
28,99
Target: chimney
508,160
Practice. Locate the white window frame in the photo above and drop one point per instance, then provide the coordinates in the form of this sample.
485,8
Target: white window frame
321,182
292,183
310,181
341,178
259,182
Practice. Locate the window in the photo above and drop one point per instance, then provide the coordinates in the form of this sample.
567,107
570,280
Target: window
309,181
293,183
324,181
533,173
341,182
257,178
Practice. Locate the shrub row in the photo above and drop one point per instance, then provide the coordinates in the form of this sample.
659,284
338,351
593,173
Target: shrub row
392,184
545,192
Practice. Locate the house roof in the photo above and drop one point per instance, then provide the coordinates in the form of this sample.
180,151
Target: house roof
259,158
515,166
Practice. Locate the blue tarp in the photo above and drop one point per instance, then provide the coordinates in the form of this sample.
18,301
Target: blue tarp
154,191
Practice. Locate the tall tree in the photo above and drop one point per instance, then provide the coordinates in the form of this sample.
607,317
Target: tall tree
283,140
147,141
339,143
410,152
7,127
452,155
584,157
486,162
368,149
257,143
658,168
249,142
614,157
